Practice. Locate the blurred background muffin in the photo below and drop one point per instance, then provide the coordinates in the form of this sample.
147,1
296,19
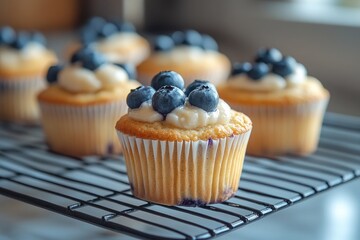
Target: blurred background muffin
81,105
192,54
285,104
117,40
24,60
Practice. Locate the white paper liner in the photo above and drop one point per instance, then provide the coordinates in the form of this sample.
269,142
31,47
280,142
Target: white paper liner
18,98
184,173
279,130
82,130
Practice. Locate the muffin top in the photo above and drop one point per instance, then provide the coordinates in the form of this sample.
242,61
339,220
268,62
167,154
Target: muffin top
184,51
272,79
88,79
118,41
167,111
23,53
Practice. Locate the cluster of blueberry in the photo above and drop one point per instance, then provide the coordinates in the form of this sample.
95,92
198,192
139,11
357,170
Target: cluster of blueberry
167,93
266,61
19,40
97,28
188,37
89,59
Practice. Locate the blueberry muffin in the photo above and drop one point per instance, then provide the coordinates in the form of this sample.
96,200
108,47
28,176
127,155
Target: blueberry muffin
24,60
117,41
182,147
285,104
83,102
191,54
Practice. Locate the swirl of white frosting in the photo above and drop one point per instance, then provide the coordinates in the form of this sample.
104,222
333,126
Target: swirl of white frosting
145,113
110,75
298,77
270,82
77,79
187,116
10,57
191,117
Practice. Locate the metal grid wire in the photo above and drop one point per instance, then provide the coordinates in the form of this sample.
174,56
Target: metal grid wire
96,190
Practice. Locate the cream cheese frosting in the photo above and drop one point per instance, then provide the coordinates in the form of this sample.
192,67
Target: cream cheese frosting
191,117
145,113
77,79
270,82
186,54
117,40
186,116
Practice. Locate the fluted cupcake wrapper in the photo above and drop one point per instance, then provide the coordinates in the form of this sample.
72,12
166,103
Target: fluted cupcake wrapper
279,130
186,173
82,130
18,98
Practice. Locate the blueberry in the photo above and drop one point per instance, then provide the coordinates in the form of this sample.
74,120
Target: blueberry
7,35
208,43
163,43
204,97
192,38
197,83
81,54
38,37
124,26
178,37
53,72
258,71
239,68
93,60
96,23
20,40
107,30
129,69
139,95
167,98
87,35
167,78
268,55
285,67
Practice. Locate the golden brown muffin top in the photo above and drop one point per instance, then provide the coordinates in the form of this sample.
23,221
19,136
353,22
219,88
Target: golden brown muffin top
239,123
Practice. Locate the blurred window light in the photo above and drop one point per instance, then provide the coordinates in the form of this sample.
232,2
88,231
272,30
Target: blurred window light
328,12
341,219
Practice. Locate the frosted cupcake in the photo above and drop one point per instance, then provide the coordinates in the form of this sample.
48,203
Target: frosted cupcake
82,104
191,54
24,60
116,41
182,148
284,103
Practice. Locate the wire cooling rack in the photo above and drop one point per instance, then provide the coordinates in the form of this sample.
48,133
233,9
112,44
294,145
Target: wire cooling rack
96,190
